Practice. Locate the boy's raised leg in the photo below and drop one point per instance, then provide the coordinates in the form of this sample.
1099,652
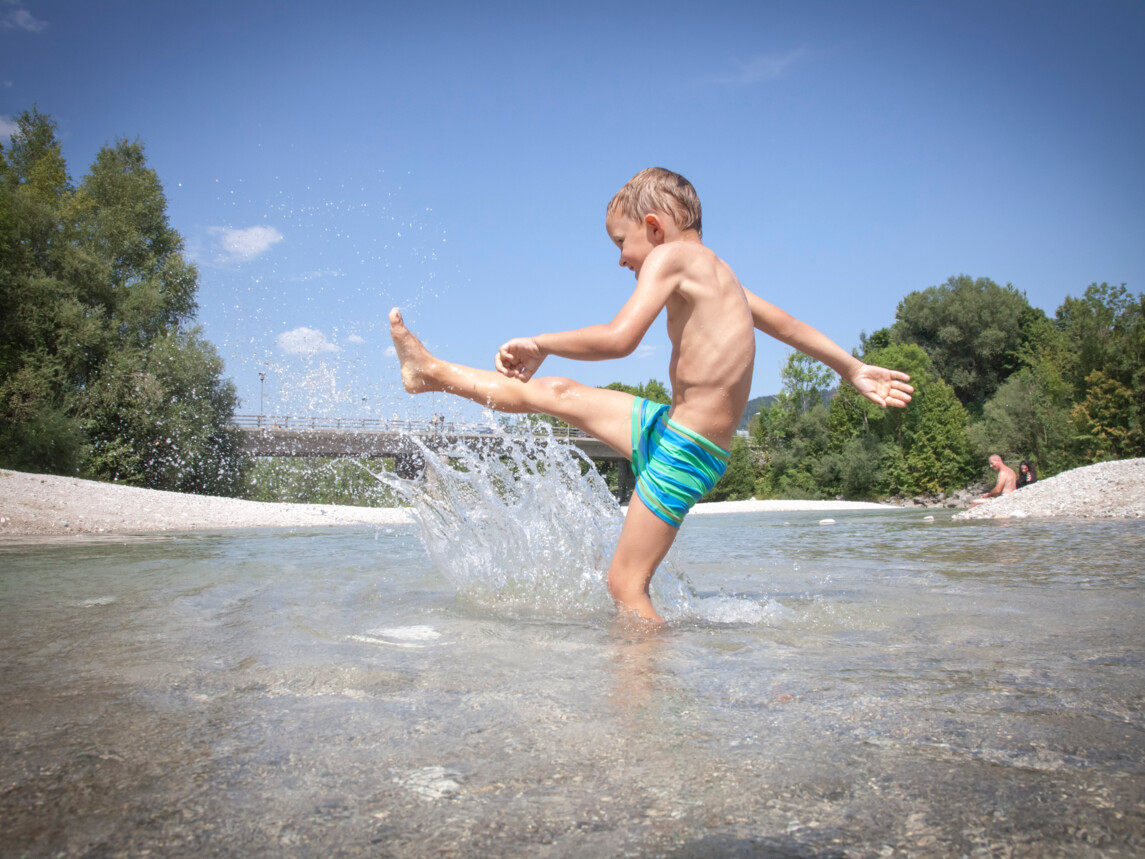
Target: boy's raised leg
603,414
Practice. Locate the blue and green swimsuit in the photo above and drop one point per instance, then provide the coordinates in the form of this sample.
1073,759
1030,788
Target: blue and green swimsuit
674,466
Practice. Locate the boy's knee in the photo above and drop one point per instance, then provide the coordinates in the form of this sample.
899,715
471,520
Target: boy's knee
626,588
554,387
551,394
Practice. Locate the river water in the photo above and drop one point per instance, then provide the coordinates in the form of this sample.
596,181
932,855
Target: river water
882,685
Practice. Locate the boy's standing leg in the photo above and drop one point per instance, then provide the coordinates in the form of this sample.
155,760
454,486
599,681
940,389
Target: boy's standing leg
604,414
644,541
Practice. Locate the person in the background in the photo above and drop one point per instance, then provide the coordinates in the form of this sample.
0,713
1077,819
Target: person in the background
1007,480
1027,474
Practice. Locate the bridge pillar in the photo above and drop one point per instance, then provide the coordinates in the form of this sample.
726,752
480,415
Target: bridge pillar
624,481
409,464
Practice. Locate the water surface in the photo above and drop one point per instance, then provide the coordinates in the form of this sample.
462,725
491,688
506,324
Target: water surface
880,686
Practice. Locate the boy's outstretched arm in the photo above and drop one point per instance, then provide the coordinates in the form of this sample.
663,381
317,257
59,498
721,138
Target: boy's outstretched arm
878,384
520,357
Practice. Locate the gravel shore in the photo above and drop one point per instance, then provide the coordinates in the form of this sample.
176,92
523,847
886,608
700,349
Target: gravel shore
44,505
41,505
1108,490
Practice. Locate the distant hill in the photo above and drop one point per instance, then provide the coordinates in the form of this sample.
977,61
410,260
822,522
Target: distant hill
753,407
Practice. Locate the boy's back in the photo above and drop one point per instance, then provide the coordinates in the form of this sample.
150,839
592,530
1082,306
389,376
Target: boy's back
713,341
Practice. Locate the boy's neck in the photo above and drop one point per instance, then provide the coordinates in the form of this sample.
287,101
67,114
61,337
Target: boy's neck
675,234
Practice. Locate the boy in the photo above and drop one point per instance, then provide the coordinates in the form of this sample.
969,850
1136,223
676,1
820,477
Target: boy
679,452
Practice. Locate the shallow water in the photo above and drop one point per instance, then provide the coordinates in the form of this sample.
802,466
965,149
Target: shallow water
902,687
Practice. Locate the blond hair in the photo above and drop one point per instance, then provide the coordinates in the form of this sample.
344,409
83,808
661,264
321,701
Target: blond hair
660,191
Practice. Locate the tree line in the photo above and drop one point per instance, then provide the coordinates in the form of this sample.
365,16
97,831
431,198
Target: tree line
992,374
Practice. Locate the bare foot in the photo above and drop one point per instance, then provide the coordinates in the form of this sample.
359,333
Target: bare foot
414,357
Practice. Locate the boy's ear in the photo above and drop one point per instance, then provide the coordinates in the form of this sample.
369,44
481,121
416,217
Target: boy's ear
654,221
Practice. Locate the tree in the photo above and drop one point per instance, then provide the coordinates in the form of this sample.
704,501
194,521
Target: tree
1107,421
101,369
653,390
922,448
1028,418
805,380
38,315
970,329
148,286
1106,331
160,418
791,446
938,457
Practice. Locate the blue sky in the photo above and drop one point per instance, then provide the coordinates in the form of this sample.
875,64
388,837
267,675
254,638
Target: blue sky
325,162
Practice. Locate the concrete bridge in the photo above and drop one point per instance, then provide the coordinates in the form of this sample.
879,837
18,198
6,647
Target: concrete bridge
283,435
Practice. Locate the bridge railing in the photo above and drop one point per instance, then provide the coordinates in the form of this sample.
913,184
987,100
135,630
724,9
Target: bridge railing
305,423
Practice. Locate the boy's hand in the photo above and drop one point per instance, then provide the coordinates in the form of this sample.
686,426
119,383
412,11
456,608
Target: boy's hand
882,386
519,358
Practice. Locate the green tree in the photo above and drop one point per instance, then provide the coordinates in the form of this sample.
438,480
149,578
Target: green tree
160,418
806,382
147,286
922,448
1105,329
653,390
791,445
1027,418
1107,421
38,313
858,467
101,370
319,481
938,457
1100,327
971,329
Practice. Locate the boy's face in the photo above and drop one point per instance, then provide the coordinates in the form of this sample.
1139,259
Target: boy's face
632,237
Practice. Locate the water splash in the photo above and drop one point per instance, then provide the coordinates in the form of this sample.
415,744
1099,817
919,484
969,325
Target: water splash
525,524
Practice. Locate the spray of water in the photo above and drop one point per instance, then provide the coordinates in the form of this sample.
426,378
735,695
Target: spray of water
526,524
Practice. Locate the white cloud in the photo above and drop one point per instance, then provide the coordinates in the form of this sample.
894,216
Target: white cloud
7,127
759,69
22,19
304,341
243,245
645,350
355,339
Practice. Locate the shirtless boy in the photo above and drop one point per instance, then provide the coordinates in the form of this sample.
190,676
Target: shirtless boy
678,452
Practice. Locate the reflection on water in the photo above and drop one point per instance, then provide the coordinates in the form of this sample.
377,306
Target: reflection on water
906,687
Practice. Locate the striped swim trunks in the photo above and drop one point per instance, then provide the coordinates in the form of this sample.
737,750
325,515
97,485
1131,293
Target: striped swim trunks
674,466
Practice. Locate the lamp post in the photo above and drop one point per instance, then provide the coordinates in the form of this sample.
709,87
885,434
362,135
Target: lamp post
261,380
